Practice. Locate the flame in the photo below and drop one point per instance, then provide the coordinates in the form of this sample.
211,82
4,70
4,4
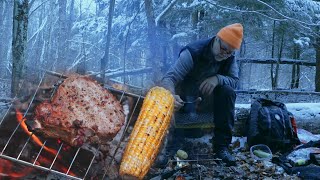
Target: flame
7,170
41,160
34,138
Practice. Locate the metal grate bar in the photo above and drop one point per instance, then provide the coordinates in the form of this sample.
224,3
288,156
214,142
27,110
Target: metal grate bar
55,158
5,147
122,136
11,103
6,113
18,160
24,146
39,152
122,95
37,166
91,162
75,156
24,113
34,164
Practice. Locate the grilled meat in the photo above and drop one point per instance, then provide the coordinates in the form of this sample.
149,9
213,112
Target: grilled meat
81,111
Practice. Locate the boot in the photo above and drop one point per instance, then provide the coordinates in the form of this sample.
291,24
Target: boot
225,155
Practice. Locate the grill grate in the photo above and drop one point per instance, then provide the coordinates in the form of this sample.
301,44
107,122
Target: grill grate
50,169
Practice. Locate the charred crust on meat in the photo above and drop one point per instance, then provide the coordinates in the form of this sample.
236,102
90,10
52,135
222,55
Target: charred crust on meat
94,127
70,108
71,118
77,123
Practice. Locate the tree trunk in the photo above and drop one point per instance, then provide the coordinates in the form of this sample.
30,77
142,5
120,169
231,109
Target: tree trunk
19,42
241,66
276,76
295,77
4,24
62,36
105,59
272,52
317,78
152,33
194,22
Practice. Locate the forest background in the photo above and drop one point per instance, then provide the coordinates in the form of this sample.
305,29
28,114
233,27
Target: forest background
136,41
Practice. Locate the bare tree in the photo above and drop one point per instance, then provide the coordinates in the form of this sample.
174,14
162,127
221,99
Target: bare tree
62,36
4,29
105,58
19,42
317,78
152,56
275,70
295,77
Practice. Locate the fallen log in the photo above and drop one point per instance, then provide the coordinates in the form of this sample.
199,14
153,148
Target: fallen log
307,116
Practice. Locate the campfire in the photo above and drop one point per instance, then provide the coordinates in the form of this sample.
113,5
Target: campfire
24,153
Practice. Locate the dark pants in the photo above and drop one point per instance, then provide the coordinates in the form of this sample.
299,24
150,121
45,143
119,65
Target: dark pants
223,109
222,103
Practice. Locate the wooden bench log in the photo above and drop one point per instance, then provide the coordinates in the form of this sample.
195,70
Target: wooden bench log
307,116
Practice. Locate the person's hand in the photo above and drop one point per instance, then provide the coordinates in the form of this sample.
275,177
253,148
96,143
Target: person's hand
178,103
208,85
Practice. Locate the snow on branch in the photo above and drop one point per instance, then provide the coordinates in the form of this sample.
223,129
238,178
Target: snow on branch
275,60
176,36
284,17
129,72
287,17
39,29
164,12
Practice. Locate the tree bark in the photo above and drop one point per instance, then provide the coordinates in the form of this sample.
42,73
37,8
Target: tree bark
62,36
317,78
272,52
19,42
194,22
105,58
295,77
276,75
152,33
4,24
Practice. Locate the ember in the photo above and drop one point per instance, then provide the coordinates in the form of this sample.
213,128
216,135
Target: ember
8,169
34,137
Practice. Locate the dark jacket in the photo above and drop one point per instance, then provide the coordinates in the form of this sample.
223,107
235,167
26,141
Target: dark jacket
196,62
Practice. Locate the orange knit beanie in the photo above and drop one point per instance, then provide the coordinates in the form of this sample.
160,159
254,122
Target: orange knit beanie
232,35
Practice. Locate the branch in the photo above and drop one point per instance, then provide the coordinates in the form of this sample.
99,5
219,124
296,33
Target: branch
245,11
36,7
130,72
39,29
164,12
285,18
276,60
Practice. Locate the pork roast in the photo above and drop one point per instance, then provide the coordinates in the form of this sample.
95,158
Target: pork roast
81,111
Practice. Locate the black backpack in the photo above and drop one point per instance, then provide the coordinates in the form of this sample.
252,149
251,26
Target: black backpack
269,123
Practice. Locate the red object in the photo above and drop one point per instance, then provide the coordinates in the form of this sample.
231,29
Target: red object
294,124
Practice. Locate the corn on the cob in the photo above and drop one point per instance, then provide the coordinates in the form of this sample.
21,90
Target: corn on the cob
148,133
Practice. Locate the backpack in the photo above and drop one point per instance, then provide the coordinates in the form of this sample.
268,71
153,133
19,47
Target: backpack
270,123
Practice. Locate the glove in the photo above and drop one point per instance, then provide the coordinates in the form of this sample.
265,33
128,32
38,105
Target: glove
178,103
208,85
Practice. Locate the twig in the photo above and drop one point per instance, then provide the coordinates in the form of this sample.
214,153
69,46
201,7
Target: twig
194,160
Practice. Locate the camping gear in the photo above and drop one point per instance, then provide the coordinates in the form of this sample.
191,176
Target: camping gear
260,152
302,158
270,123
